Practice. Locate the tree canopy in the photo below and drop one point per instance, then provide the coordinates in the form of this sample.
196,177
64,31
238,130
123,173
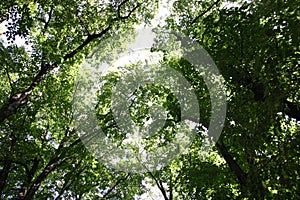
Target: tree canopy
254,44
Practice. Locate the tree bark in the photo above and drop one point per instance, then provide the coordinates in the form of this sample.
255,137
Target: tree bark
19,99
52,164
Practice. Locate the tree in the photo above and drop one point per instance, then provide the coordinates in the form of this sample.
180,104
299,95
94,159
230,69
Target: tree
41,154
255,46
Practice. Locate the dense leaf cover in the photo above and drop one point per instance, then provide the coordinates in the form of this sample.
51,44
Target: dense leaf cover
255,45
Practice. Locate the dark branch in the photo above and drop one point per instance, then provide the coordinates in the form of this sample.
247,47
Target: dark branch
9,79
129,14
159,185
88,40
206,11
4,172
171,189
19,99
49,19
233,165
115,185
51,166
7,164
69,179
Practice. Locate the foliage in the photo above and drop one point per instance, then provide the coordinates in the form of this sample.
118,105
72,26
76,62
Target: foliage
41,154
255,45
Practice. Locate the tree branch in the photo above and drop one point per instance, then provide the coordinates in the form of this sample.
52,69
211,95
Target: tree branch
206,11
55,162
7,164
159,185
30,174
49,19
88,40
171,188
68,181
9,80
129,14
4,174
19,99
52,164
236,169
115,185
